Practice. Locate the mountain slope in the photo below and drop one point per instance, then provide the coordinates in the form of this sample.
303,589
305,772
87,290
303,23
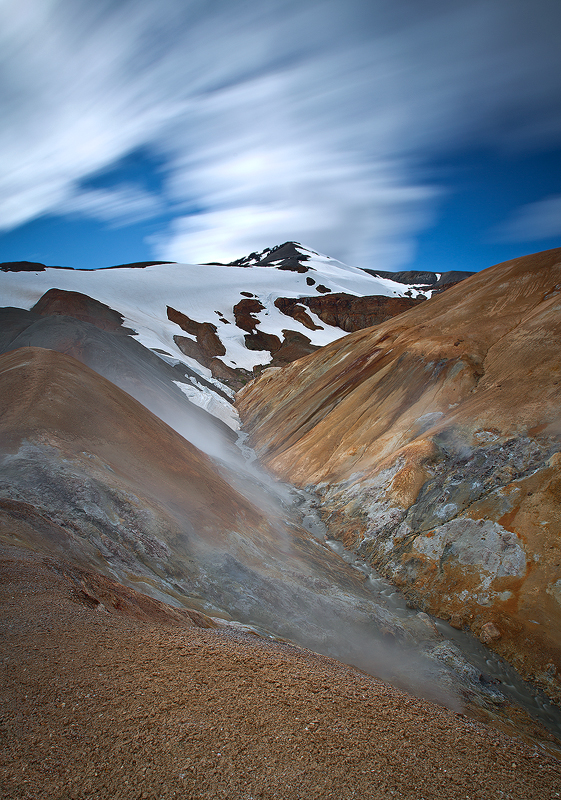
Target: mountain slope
89,475
221,320
434,441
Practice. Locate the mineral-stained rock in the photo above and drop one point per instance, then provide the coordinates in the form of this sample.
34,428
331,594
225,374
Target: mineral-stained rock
345,311
434,441
259,340
205,332
244,311
489,633
80,306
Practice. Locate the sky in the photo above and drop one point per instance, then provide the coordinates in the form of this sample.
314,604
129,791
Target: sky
390,134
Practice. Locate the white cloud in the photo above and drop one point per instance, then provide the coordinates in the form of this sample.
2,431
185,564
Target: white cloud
121,205
276,121
534,221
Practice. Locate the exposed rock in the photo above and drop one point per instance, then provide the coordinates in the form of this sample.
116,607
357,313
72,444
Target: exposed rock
234,378
285,256
243,313
436,282
205,332
140,264
434,440
293,308
489,633
22,266
259,340
294,346
80,306
346,311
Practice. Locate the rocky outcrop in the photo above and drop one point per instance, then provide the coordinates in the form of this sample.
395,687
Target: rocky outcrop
434,441
287,256
59,302
433,281
206,349
345,311
294,346
205,333
244,313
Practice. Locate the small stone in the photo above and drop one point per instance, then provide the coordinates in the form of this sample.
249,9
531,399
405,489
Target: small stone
456,621
489,633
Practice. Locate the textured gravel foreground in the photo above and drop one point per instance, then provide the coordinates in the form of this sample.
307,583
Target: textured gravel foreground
130,702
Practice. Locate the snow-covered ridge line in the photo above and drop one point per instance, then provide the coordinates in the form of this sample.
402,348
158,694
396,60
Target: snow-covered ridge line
205,293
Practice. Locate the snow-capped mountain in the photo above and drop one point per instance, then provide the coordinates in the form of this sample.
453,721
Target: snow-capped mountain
223,322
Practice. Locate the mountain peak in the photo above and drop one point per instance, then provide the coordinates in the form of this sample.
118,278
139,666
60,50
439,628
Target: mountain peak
290,256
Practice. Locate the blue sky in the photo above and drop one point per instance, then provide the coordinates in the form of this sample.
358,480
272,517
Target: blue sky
397,134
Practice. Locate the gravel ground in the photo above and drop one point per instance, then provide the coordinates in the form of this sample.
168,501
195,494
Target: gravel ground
124,700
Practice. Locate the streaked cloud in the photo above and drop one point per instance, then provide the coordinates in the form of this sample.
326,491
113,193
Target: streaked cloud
534,221
310,120
122,205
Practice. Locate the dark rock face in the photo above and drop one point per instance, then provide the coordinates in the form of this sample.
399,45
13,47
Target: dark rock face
59,302
208,346
423,280
234,378
243,313
22,266
293,308
345,311
285,256
262,341
140,264
294,346
208,342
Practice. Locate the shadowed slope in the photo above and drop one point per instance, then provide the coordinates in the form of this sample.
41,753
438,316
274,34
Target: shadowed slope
81,445
123,361
89,474
434,439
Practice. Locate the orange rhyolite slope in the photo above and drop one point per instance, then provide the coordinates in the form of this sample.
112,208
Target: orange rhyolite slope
434,440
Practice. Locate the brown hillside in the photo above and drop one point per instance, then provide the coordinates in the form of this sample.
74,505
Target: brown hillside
434,440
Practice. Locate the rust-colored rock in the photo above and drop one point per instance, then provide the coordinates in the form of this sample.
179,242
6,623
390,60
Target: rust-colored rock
435,442
259,340
292,308
207,339
243,313
60,302
346,311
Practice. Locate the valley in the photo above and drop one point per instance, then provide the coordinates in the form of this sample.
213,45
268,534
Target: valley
389,502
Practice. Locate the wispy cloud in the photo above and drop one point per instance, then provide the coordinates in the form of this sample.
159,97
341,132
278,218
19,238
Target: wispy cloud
121,205
534,221
308,120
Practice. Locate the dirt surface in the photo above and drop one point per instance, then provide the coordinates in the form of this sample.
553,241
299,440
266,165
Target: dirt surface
131,704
